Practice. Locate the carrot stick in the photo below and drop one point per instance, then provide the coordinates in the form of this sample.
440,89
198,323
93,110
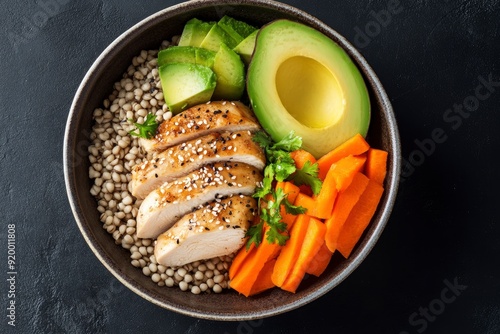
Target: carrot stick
376,165
301,157
313,241
354,146
326,197
306,189
306,202
247,275
290,252
359,218
264,281
320,261
292,191
239,260
345,169
346,200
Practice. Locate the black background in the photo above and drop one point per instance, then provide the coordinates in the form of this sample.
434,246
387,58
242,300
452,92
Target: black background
444,230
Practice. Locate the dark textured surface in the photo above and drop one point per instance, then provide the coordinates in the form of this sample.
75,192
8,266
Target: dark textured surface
430,56
111,65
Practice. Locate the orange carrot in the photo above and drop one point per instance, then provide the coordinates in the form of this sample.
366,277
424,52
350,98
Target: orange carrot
290,252
346,200
292,191
376,165
354,146
313,241
306,202
306,189
320,261
264,281
247,275
359,218
326,197
287,218
301,157
239,260
345,169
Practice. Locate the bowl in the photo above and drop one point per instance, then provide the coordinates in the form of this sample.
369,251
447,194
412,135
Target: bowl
97,85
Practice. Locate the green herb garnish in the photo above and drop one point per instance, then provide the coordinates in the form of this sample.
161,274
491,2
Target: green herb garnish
147,129
308,175
280,167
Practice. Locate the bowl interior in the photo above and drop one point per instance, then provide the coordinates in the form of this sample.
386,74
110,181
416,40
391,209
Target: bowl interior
98,84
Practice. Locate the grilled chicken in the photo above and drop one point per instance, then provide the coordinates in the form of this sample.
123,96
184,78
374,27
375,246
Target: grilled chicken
182,159
165,205
215,229
199,121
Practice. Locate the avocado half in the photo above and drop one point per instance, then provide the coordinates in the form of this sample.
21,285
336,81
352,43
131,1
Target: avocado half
301,80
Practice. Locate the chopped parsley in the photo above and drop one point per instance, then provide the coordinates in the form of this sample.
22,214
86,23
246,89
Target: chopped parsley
308,175
147,129
280,167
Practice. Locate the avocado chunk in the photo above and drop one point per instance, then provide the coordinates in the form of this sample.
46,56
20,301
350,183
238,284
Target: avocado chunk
205,57
230,72
217,36
238,30
246,47
186,54
301,80
195,32
185,85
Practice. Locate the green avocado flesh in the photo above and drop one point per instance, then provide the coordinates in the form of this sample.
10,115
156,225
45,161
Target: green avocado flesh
300,80
195,32
230,72
217,36
185,85
186,54
246,47
238,30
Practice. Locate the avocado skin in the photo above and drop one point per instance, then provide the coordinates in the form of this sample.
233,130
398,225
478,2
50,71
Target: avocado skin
281,40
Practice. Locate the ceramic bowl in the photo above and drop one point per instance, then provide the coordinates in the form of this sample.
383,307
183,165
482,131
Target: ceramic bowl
98,84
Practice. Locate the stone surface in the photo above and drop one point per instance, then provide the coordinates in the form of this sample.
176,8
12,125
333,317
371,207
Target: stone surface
442,236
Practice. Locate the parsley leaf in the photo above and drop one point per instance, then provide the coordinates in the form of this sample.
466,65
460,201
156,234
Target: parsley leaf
261,138
293,209
147,129
308,175
289,143
255,233
280,166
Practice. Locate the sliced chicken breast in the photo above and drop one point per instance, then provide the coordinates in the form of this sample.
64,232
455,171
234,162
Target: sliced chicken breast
215,229
182,159
199,121
165,205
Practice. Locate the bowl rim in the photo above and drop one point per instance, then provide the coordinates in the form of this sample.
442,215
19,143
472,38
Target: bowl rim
384,213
